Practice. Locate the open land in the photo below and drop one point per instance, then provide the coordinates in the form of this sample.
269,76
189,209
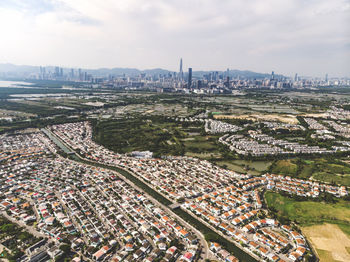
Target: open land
230,176
330,242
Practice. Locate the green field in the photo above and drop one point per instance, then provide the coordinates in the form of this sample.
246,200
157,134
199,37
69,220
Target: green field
314,218
328,170
15,238
310,212
244,166
156,134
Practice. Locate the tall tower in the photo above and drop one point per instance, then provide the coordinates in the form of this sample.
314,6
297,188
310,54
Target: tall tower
189,83
273,75
326,78
181,73
296,77
57,71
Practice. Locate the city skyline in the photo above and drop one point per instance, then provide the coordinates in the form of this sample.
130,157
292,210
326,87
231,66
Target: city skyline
304,37
32,70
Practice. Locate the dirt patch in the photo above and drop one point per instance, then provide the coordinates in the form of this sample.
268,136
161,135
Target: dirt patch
320,115
329,238
290,119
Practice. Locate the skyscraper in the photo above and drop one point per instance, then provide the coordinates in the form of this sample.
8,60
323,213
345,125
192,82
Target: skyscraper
80,74
227,83
57,71
189,83
181,73
296,77
42,72
273,75
326,78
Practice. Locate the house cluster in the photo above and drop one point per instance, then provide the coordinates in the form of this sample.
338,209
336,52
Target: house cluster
342,146
247,146
280,125
321,131
342,129
338,113
314,124
181,177
288,146
323,135
305,188
189,119
224,200
197,118
233,211
221,253
215,127
91,207
16,147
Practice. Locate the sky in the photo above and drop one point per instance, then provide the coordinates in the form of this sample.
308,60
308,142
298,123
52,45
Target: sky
308,37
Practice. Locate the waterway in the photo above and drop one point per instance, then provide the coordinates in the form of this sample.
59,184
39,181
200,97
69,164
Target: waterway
211,235
59,143
206,231
15,84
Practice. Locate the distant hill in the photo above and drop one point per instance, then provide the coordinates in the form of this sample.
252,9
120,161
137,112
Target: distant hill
26,71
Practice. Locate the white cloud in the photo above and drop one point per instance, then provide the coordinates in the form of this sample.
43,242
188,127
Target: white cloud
286,36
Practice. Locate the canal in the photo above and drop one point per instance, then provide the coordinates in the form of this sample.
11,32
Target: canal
208,233
60,144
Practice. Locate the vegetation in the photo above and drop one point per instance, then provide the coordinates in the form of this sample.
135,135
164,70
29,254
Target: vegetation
15,239
327,169
157,134
212,236
134,180
307,212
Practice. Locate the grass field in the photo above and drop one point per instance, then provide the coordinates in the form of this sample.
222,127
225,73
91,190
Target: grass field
285,167
156,134
327,226
325,170
244,166
330,242
310,212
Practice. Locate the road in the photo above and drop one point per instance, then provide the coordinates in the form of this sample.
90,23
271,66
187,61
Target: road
74,221
199,235
30,229
120,209
203,242
223,235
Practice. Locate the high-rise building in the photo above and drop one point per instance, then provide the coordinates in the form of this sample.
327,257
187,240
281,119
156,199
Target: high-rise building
57,71
189,83
227,83
326,78
80,74
181,73
273,75
42,72
296,77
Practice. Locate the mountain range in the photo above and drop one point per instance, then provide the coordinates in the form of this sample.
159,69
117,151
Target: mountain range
27,70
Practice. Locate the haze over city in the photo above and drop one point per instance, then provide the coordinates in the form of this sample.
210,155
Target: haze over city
293,36
175,130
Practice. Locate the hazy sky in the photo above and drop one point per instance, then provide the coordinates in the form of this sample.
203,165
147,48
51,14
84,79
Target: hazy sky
309,37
